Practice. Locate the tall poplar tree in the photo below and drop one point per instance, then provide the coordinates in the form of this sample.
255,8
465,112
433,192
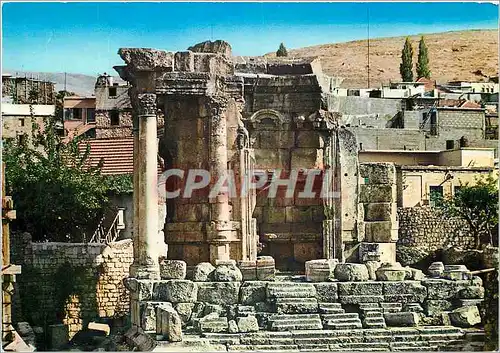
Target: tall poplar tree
282,50
406,66
423,60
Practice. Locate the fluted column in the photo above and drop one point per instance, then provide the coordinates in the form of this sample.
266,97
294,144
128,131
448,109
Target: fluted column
146,179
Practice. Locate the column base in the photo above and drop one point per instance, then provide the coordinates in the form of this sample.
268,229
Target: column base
219,252
141,271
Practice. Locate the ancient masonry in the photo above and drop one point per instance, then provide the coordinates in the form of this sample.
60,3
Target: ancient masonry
275,115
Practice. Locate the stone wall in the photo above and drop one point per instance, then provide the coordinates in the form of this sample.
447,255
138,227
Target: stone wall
363,105
427,227
104,129
70,283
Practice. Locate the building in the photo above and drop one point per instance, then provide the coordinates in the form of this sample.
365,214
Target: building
422,173
79,116
24,90
18,119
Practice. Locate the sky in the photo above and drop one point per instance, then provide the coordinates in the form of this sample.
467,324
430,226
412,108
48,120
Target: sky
85,37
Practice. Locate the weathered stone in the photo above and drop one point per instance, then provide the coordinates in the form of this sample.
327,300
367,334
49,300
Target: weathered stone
212,324
436,269
401,319
382,211
413,307
185,310
168,323
411,255
248,270
216,47
465,317
247,324
28,334
147,59
472,292
456,272
232,327
139,339
377,173
443,289
198,310
390,272
175,291
266,270
434,307
406,292
377,193
320,270
357,288
141,289
372,266
172,269
381,231
227,273
252,292
148,314
214,308
203,272
349,272
326,292
219,292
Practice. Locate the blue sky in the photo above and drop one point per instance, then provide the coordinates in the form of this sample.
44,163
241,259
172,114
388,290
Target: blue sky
85,37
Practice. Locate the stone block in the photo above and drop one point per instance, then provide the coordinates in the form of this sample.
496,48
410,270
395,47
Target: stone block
219,292
357,288
275,215
248,270
386,251
247,324
212,324
185,310
139,339
168,324
140,289
172,269
232,327
390,272
349,272
307,158
184,61
467,316
266,269
175,291
203,272
372,267
383,211
381,231
326,292
227,273
401,319
214,308
444,289
252,292
435,307
148,311
405,291
320,270
308,139
378,173
359,299
435,269
377,193
472,292
456,272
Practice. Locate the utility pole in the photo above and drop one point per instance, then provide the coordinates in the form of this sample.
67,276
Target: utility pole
368,22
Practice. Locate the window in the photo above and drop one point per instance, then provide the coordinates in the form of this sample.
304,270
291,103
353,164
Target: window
21,122
435,193
114,118
21,139
112,91
76,114
450,144
90,115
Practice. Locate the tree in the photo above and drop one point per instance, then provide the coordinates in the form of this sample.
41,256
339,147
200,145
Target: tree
423,60
57,194
477,205
282,50
406,66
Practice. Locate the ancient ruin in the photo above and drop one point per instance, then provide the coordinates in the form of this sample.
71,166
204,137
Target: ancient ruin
207,274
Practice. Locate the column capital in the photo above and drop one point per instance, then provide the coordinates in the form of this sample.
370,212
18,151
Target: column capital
146,104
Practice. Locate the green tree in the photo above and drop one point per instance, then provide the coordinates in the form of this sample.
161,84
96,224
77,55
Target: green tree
282,50
477,205
406,66
58,195
423,60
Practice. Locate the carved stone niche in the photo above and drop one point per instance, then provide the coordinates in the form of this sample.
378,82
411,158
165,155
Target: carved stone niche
266,119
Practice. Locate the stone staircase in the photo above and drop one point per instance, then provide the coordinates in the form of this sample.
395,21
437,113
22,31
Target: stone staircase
425,338
372,315
334,317
281,322
292,297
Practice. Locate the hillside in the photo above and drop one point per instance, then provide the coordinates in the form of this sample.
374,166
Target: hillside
462,55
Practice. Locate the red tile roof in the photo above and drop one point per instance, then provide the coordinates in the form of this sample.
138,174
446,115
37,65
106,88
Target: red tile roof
116,153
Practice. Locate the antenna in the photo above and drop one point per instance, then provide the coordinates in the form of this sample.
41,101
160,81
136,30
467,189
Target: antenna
368,29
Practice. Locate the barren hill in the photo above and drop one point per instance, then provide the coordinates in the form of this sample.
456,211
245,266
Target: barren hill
462,55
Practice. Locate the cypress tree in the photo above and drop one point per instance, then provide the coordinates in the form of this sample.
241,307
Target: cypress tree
423,60
282,51
406,66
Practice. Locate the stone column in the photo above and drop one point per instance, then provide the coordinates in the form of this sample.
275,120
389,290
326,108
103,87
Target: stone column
145,264
220,225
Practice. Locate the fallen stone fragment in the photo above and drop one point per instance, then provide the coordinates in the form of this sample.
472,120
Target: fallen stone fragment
203,272
172,269
248,324
467,316
401,319
350,272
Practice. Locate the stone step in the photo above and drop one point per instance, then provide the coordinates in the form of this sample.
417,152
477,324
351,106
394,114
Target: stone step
330,308
291,293
414,349
440,329
391,306
313,323
330,305
355,345
293,317
337,348
222,338
263,348
314,348
276,286
352,316
368,314
366,306
296,305
374,322
343,325
282,326
267,337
